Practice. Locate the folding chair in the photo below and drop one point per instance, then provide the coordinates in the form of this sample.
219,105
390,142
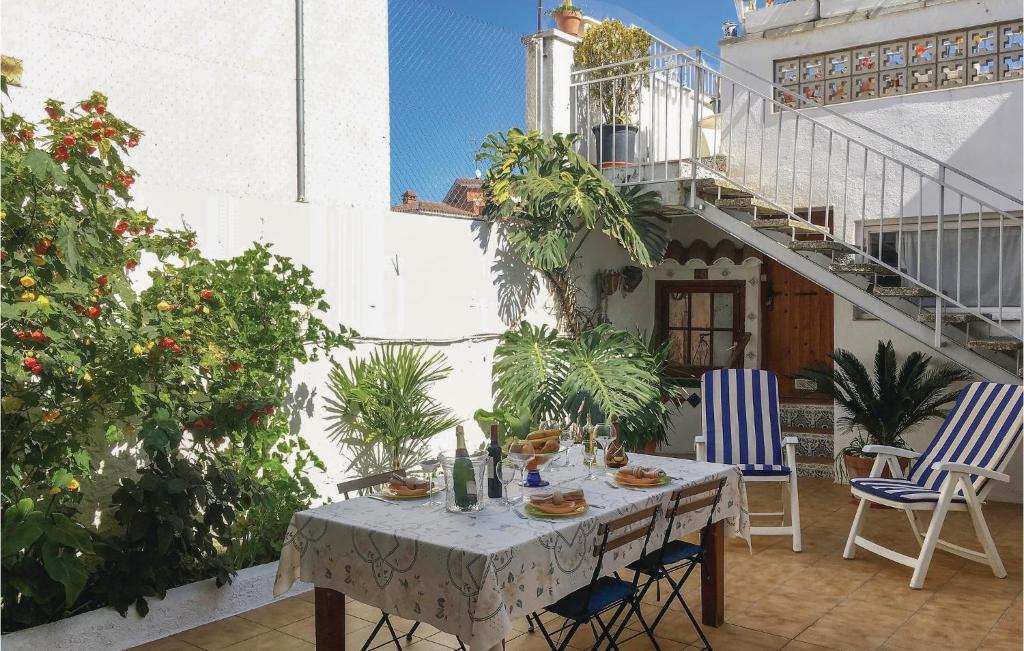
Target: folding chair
604,593
742,427
675,555
973,447
363,483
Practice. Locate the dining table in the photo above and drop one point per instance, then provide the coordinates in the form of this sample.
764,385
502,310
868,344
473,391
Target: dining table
472,574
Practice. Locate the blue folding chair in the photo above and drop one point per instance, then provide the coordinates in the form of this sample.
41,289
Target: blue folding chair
954,473
605,593
742,428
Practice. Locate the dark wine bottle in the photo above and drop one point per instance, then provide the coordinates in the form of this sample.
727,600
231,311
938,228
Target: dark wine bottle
494,465
463,479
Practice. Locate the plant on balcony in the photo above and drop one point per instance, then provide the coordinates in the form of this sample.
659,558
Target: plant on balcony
603,374
880,406
547,201
382,414
612,60
154,412
567,17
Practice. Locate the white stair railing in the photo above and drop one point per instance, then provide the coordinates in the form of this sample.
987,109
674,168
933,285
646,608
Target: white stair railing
885,201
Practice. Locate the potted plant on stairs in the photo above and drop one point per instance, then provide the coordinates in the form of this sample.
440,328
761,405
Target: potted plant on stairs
568,17
881,406
616,91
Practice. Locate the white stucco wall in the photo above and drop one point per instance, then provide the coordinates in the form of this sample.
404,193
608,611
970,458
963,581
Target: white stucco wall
212,86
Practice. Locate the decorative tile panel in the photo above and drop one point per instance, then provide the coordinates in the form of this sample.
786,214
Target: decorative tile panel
893,55
837,91
922,50
837,64
1011,65
982,70
952,74
1011,36
812,69
974,55
952,46
982,41
787,72
865,86
921,78
893,82
865,60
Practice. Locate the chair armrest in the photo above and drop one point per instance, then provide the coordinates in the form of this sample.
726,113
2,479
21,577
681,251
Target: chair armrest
896,452
790,440
967,469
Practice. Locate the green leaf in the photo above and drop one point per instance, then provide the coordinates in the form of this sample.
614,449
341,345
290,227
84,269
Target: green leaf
63,567
19,534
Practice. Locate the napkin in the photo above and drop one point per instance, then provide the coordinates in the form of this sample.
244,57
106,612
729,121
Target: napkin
414,483
643,472
557,497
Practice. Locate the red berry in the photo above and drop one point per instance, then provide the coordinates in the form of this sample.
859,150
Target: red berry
43,246
21,335
53,113
108,186
131,264
28,134
61,153
254,418
206,294
91,150
102,280
121,227
133,141
234,367
13,139
29,363
86,106
135,231
268,410
128,180
190,244
97,137
176,348
37,369
69,139
96,124
94,312
149,230
79,309
37,335
101,109
109,131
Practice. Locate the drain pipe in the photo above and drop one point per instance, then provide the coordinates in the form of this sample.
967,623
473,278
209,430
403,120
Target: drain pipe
300,108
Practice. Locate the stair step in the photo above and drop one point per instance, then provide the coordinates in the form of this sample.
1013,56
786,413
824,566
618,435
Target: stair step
861,268
949,317
900,292
996,343
748,204
814,447
807,418
786,224
825,469
819,246
713,187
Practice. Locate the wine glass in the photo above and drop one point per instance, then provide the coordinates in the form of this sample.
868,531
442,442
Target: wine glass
566,438
603,435
589,451
430,467
508,475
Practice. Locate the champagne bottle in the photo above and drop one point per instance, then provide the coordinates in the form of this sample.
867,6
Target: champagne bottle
463,478
494,465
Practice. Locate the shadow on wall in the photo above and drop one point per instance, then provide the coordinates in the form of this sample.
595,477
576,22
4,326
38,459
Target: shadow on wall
298,401
516,283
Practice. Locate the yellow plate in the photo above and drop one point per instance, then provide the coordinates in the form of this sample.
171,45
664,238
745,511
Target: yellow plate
388,493
664,481
530,509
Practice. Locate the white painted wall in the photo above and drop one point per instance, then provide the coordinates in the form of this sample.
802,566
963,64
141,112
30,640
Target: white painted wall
213,88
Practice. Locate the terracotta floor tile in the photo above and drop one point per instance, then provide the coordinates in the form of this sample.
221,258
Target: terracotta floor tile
306,628
166,644
280,613
930,633
874,623
1006,634
272,641
222,634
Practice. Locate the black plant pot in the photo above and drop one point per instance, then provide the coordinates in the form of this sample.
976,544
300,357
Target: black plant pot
616,144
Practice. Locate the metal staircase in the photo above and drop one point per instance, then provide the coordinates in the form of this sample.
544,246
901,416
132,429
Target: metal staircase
921,245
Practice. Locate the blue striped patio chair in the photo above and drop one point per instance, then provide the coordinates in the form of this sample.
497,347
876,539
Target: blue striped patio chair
955,473
741,427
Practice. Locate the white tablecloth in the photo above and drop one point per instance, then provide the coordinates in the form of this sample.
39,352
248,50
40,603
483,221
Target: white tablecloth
472,574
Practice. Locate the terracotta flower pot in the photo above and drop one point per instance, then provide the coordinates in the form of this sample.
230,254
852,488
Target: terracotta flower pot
861,467
569,22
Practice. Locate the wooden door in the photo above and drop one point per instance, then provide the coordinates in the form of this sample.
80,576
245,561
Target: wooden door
796,327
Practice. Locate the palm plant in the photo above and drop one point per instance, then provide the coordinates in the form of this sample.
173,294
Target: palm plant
603,374
382,415
880,406
547,200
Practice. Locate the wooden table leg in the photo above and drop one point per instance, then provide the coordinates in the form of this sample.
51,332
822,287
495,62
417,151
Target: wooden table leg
330,619
712,577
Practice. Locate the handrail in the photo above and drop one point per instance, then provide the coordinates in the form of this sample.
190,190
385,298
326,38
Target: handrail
688,54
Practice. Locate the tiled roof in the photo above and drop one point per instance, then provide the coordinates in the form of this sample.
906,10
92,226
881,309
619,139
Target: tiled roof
432,208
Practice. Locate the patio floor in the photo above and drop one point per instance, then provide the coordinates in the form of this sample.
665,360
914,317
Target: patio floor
775,599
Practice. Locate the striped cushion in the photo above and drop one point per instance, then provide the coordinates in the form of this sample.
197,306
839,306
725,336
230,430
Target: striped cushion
741,417
763,470
898,490
982,429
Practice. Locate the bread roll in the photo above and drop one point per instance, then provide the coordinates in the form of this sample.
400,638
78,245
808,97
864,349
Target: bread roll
544,434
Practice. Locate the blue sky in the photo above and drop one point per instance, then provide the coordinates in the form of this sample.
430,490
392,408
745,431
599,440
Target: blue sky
457,73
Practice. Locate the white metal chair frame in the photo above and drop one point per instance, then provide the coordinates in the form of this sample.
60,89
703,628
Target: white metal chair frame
958,476
790,495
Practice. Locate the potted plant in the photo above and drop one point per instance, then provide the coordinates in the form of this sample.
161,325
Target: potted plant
568,17
615,92
381,413
881,406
